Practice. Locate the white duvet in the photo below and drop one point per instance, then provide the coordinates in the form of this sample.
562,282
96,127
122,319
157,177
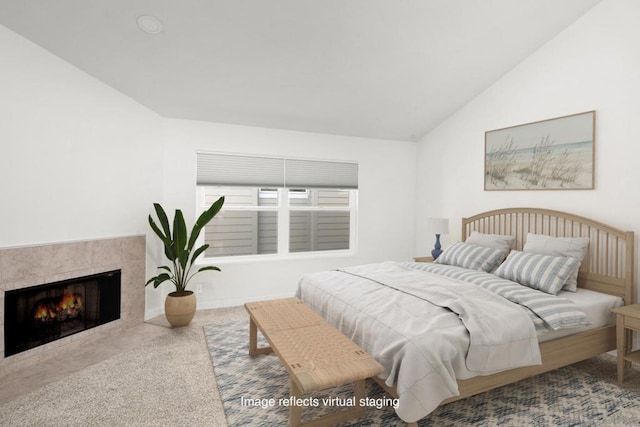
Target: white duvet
426,330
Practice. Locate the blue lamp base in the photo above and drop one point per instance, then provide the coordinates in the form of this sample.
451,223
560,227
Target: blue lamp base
435,253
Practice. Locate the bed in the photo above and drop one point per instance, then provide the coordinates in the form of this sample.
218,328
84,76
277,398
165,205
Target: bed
474,355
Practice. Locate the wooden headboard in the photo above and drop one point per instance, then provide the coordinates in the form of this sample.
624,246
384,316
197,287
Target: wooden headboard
608,267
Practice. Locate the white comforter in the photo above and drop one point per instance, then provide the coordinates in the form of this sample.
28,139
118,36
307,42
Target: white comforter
426,330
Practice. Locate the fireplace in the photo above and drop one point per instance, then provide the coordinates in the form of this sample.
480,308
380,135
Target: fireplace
40,314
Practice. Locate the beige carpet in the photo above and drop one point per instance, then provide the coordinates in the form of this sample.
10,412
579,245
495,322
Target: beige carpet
165,380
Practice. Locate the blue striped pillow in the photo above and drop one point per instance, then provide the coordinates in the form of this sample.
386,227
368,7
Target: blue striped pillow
471,256
543,272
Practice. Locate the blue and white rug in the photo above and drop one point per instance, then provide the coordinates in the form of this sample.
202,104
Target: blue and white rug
254,392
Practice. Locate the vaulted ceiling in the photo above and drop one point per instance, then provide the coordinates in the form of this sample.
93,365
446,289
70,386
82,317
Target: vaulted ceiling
372,68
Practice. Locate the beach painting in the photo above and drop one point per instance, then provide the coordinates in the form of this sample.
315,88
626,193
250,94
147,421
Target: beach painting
554,154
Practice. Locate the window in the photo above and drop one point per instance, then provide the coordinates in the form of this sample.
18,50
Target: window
247,224
262,215
319,220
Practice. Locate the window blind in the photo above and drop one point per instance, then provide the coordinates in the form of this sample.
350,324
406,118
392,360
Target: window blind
240,170
320,174
227,169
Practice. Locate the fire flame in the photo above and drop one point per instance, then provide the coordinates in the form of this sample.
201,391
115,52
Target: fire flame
70,302
44,313
69,305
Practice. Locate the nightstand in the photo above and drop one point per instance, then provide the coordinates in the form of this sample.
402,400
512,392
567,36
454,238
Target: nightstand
627,320
423,259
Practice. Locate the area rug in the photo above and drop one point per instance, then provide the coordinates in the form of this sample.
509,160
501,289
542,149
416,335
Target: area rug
255,390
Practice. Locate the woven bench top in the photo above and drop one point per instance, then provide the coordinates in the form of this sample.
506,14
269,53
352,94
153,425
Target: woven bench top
280,314
315,354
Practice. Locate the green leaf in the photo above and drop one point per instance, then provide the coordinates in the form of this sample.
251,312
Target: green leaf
209,267
183,259
162,217
157,280
156,229
170,251
198,251
204,219
179,235
166,235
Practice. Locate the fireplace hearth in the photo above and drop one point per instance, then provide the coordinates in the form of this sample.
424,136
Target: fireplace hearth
40,314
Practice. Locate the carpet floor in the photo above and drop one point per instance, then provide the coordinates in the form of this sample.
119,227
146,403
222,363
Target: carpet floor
165,377
254,391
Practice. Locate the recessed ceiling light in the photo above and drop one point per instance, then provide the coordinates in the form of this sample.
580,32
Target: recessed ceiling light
150,24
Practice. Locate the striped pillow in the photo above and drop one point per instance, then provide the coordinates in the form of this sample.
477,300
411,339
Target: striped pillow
496,241
574,247
471,256
546,311
543,272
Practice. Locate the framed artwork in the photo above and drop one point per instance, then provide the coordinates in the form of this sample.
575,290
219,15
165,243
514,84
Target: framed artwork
553,154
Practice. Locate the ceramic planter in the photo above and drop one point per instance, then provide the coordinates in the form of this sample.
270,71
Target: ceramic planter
179,309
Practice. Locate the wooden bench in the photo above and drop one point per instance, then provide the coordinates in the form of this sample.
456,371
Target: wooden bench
316,355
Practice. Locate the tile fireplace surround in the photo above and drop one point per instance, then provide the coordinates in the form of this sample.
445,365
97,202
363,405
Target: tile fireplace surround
27,266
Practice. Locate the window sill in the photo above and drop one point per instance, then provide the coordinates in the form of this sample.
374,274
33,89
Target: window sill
275,257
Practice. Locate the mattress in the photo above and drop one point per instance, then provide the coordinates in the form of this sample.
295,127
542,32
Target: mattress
596,305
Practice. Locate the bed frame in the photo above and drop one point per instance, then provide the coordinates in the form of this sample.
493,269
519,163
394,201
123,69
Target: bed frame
608,268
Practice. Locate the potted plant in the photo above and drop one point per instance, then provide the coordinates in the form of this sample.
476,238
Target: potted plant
180,305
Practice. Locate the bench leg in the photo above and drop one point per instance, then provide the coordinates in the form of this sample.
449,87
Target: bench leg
253,340
358,392
295,411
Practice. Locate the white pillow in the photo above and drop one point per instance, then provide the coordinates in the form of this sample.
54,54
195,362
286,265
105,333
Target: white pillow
495,241
543,272
574,247
471,256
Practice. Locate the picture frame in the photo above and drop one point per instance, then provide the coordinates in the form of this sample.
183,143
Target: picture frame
551,154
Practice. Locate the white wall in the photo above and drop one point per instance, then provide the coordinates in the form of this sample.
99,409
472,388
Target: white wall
78,159
592,65
387,172
82,161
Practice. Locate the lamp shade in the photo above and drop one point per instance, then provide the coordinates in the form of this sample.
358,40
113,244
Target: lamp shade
438,225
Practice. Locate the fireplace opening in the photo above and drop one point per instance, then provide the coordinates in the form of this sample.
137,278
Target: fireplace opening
40,314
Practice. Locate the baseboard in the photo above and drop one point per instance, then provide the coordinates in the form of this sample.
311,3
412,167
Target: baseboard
153,313
221,303
234,302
